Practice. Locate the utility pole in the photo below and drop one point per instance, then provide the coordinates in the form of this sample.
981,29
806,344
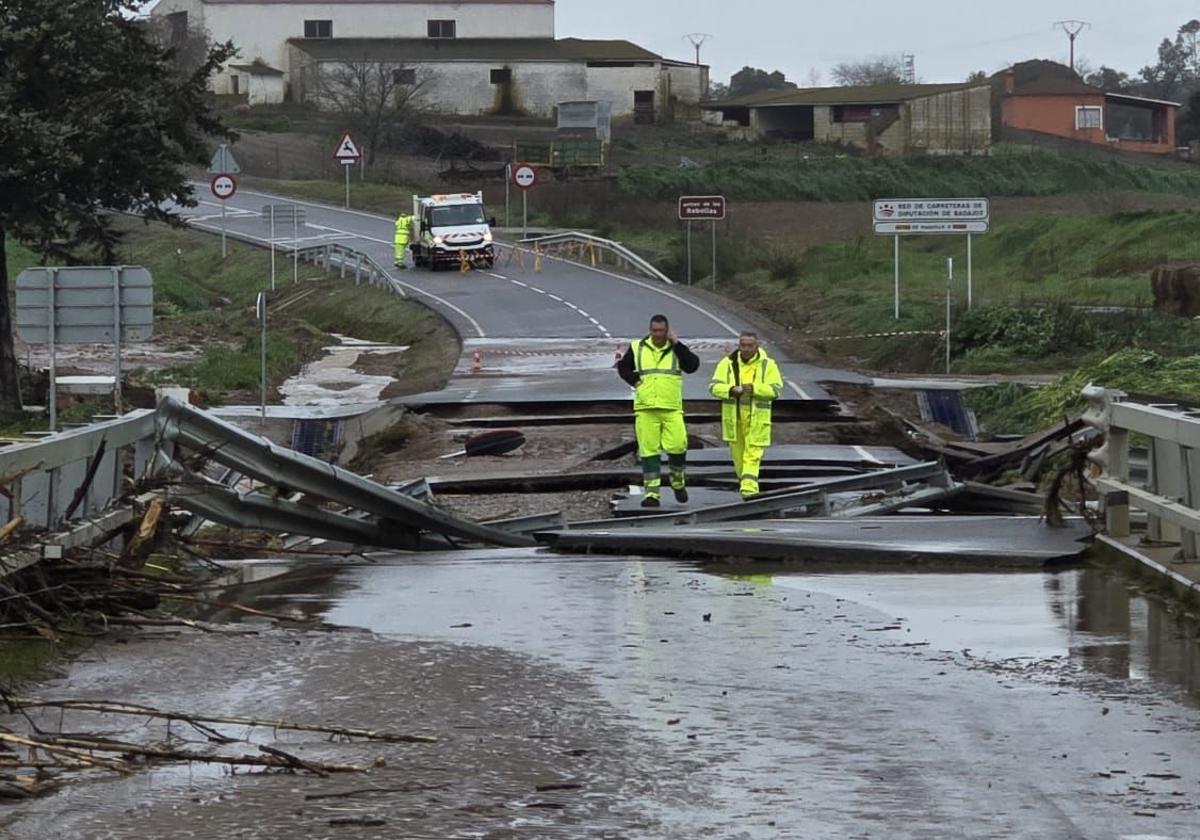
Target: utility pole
1072,28
697,39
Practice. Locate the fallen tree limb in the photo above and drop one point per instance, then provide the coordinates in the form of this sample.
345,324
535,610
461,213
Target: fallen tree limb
275,758
135,710
80,754
11,528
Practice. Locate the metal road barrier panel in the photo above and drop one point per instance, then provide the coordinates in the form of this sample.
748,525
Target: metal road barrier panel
574,246
330,254
1170,494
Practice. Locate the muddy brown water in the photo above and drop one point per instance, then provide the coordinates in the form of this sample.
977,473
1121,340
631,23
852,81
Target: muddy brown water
1016,705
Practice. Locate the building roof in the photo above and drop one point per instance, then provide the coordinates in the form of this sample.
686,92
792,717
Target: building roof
258,68
1141,100
863,95
1039,77
471,49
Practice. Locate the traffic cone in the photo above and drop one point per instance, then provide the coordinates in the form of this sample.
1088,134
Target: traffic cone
476,362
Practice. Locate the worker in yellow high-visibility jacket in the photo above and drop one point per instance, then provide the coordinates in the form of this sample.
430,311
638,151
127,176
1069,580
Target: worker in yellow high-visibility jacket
747,382
403,236
654,366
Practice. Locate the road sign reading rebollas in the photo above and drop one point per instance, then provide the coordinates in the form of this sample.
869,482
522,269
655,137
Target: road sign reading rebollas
525,176
223,186
709,208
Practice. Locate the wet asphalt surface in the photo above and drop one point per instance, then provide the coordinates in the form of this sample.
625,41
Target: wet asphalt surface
989,705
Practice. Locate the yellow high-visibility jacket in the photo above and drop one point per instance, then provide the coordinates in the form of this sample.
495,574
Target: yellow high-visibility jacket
403,230
660,376
754,408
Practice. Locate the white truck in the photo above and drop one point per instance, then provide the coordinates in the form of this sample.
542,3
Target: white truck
448,228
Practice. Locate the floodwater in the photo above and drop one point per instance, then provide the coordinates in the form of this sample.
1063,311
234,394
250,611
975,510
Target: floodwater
688,704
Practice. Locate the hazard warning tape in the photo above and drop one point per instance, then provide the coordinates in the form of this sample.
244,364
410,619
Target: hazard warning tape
939,333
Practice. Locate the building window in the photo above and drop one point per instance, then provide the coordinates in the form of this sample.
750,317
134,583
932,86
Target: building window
178,24
442,29
405,76
318,29
1088,116
501,75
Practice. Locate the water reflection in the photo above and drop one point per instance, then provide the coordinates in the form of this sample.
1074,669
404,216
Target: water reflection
1090,615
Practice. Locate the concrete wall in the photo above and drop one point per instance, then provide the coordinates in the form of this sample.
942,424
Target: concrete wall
953,123
261,30
825,129
1052,115
465,87
262,90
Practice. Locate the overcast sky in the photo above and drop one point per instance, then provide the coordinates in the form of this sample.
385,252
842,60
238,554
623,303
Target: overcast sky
949,39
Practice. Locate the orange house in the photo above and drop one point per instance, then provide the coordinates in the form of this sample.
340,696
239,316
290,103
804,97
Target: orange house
1059,103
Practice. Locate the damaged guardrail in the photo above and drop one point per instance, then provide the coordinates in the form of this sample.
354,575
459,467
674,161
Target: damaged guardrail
400,521
932,476
1171,493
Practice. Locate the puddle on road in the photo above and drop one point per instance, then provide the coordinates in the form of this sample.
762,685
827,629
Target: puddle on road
332,379
1087,615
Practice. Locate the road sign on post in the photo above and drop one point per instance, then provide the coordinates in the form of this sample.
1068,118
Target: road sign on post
347,154
907,216
525,177
703,208
223,186
707,208
84,305
223,166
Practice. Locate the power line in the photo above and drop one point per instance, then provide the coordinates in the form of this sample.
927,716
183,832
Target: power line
1072,28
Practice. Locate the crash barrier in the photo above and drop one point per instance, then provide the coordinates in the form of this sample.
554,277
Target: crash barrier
372,513
365,269
1170,494
63,479
582,248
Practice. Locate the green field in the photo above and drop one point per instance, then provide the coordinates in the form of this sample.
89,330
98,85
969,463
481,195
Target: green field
799,172
205,303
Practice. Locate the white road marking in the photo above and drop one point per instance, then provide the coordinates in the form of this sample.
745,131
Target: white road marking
648,287
416,289
803,394
557,298
385,219
866,456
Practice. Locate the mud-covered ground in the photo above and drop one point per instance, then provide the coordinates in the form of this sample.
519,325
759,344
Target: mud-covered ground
682,704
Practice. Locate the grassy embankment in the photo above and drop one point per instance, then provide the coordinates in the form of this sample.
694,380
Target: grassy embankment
206,304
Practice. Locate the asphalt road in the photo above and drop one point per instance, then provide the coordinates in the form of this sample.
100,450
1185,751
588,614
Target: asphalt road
563,300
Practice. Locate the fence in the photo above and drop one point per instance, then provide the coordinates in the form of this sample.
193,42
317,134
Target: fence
1169,496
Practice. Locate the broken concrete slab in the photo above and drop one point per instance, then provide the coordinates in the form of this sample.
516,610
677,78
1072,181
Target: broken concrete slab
974,541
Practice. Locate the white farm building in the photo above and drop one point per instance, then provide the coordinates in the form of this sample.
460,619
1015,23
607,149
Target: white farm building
472,56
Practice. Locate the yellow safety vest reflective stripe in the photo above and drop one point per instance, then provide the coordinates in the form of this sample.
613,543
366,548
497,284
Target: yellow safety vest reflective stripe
766,376
661,382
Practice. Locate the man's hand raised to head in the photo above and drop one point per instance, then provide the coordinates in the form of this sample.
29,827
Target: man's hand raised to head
671,337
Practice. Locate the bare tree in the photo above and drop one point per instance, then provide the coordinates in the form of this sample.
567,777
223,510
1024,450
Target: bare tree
186,44
373,97
880,70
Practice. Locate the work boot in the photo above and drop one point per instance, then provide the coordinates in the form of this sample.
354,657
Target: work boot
681,495
651,501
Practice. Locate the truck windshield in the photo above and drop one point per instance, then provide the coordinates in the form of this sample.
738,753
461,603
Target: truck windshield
454,215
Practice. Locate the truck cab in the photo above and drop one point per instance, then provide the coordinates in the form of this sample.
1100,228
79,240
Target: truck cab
451,229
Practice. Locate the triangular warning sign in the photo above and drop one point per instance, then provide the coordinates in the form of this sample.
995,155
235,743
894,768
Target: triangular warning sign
347,149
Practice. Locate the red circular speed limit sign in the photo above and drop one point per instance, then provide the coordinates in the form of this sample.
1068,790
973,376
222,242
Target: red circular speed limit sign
525,176
223,186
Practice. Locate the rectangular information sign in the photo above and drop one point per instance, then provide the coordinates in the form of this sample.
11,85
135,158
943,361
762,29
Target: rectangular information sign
709,208
931,215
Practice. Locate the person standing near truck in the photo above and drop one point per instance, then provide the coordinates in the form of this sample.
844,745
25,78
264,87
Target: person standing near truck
747,382
654,366
403,235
